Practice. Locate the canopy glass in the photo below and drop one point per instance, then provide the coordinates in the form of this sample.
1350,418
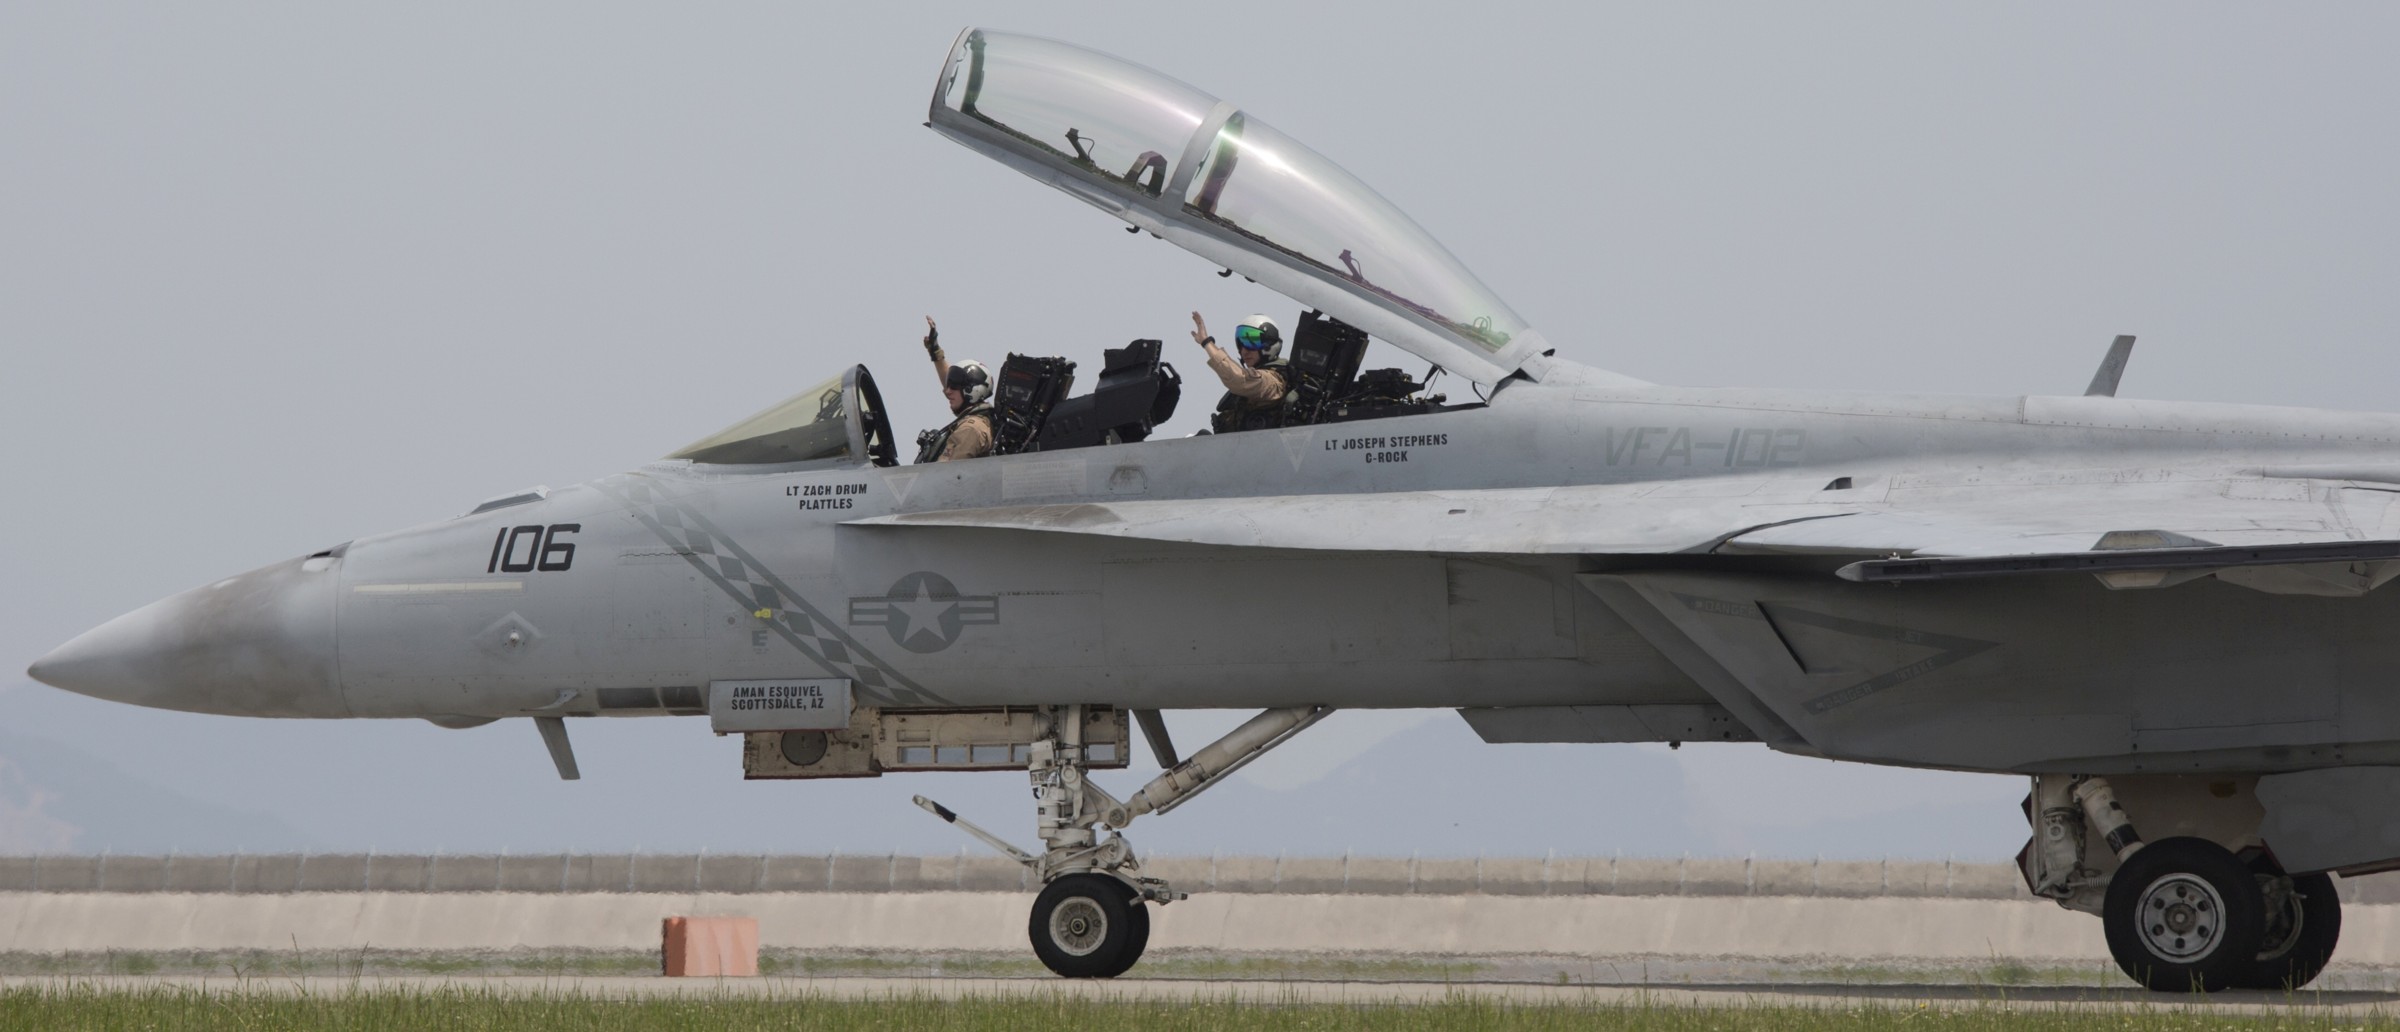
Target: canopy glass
813,424
1271,188
1078,106
1124,137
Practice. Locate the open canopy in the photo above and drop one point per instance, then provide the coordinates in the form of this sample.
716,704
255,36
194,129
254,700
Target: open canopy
1173,160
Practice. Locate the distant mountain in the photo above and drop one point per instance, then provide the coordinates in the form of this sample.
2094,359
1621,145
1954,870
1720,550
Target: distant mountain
55,798
27,823
1969,830
1435,789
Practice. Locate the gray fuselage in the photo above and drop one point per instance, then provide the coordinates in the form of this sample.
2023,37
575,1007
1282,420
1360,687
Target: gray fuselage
629,594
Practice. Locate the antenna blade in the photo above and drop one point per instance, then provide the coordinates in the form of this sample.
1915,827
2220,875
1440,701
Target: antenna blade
554,735
2112,368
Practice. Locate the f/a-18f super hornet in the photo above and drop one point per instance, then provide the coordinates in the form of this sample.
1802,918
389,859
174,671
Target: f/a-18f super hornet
2165,615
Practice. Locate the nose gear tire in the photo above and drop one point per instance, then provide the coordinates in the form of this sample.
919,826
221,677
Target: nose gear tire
1138,941
1084,926
2184,914
2296,948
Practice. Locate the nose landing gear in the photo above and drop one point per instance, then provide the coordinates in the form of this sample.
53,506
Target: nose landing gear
1089,926
1090,921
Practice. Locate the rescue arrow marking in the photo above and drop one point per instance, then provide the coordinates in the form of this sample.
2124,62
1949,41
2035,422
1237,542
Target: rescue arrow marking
1949,649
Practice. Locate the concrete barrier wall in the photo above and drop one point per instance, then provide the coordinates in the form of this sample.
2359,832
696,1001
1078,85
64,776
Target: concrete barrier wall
739,874
1916,930
718,873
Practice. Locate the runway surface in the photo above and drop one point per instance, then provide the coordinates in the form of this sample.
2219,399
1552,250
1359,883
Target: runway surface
1364,993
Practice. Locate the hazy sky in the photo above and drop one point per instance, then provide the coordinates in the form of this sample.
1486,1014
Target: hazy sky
275,276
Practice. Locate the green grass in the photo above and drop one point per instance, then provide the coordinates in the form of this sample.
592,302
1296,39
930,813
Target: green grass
70,1008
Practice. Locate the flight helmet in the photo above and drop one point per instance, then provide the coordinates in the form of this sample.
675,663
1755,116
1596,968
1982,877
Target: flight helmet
1258,333
971,380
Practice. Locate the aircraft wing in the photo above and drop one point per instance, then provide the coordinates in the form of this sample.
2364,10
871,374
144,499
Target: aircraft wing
1682,516
2278,534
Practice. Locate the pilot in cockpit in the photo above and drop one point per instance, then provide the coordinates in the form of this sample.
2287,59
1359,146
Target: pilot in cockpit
968,387
1259,385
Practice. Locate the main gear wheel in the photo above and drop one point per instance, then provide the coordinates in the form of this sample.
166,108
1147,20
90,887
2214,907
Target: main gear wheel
2184,914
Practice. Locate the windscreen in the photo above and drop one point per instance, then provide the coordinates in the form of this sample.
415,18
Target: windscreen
812,424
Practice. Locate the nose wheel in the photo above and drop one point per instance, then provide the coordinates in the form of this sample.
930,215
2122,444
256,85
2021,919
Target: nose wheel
1092,919
1089,926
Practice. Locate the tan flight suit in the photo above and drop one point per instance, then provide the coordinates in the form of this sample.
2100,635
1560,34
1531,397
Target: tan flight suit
1256,386
1254,396
970,436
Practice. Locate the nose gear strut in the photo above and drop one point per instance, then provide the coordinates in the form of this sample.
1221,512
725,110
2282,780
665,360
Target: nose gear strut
1089,921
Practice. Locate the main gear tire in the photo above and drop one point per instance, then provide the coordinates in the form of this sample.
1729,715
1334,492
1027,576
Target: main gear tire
2297,943
2184,914
1084,926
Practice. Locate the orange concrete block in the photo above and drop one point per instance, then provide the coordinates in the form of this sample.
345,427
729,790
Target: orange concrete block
711,946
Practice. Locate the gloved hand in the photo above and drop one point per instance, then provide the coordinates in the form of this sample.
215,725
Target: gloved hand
933,339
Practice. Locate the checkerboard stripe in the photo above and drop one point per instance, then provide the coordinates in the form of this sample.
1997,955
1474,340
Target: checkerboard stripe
739,574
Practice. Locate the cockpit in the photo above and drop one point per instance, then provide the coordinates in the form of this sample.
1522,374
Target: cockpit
842,421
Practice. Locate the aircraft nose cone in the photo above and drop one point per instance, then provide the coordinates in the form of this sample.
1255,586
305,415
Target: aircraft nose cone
49,668
109,661
256,644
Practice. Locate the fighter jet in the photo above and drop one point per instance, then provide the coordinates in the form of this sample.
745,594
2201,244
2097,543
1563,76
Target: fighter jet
2164,616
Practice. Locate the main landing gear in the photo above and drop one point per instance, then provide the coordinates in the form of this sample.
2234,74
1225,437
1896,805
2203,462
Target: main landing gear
2181,914
2184,914
2304,921
1090,920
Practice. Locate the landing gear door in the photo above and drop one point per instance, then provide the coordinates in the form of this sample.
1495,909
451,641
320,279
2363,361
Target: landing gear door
1216,181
